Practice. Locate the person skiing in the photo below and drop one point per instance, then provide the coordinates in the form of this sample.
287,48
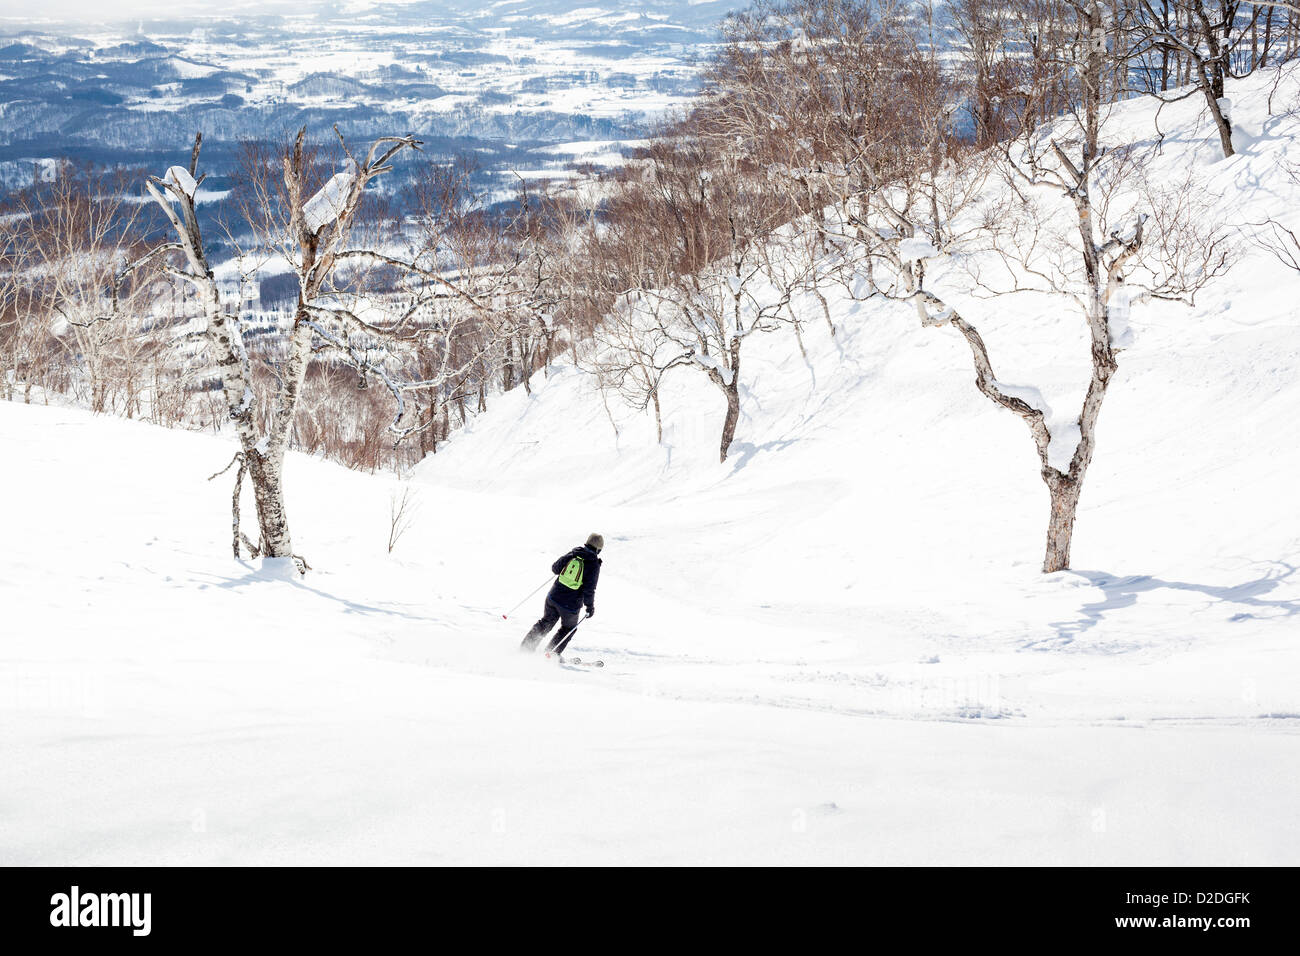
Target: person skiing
577,572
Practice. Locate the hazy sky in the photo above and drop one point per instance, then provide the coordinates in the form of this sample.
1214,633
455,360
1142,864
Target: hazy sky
16,13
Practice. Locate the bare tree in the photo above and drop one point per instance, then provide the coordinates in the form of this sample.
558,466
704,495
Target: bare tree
13,311
705,290
875,124
633,357
1276,238
78,229
1127,239
312,229
486,290
401,513
1203,44
990,63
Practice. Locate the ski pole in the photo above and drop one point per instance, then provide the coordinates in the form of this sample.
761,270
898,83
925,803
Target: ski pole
506,616
566,638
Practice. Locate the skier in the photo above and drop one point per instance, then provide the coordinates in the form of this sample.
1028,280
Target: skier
578,571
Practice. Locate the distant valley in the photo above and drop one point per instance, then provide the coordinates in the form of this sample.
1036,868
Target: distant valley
530,86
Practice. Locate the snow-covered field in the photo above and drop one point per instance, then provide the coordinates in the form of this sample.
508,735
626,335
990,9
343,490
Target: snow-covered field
836,648
552,57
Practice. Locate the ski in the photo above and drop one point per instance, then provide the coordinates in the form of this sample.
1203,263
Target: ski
573,661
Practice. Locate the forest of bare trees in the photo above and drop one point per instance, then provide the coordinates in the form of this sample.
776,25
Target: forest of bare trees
849,115
835,143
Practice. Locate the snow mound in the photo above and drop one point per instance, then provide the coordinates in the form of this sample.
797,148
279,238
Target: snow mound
280,569
910,250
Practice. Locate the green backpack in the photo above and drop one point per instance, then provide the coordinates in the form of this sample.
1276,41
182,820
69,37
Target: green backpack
571,577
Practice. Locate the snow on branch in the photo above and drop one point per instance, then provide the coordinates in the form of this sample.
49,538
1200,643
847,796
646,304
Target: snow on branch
711,364
331,200
1026,401
180,178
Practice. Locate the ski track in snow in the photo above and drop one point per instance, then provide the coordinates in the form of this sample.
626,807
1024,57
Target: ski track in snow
835,648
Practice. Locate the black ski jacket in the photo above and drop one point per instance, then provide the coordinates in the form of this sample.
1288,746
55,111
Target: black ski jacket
568,598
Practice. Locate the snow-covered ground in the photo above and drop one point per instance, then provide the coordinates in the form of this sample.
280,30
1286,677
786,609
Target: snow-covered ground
836,648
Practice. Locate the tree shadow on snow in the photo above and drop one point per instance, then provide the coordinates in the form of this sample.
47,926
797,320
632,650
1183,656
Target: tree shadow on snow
256,576
1121,592
742,453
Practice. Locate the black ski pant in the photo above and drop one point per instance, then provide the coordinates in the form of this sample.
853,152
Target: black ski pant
552,613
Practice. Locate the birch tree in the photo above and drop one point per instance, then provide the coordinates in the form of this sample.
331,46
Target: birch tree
13,327
313,230
77,231
486,285
1127,240
706,290
1205,43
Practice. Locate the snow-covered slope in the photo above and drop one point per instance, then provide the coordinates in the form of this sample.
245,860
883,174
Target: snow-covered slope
877,510
837,647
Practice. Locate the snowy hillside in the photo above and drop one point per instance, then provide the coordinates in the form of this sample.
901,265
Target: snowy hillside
837,647
876,503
